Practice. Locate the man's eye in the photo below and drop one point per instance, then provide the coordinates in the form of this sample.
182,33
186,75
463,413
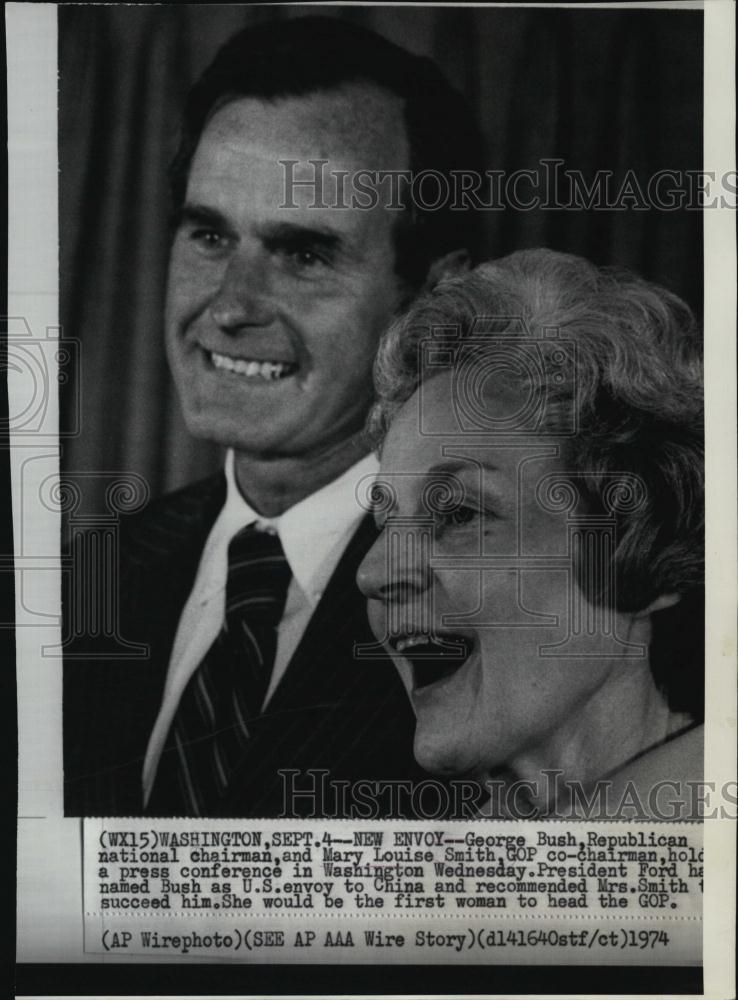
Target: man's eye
304,259
209,239
205,241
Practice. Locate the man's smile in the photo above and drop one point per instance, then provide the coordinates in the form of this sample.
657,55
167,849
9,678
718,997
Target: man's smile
264,369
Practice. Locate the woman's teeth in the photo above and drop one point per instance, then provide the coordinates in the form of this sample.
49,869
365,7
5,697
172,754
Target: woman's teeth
410,641
268,370
451,646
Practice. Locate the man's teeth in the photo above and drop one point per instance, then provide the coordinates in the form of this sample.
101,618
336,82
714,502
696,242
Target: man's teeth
269,370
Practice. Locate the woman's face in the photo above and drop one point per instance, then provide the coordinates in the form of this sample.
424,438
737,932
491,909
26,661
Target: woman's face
471,590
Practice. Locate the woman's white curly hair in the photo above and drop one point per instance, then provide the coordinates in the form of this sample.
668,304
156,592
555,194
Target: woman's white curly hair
635,388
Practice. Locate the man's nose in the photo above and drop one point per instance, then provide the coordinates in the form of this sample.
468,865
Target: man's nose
243,297
397,567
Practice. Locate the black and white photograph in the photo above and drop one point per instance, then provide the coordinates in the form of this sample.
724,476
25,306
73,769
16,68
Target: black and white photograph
371,411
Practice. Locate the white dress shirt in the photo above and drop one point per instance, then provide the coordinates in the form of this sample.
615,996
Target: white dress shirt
313,533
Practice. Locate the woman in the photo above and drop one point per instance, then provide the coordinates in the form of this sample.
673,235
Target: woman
538,577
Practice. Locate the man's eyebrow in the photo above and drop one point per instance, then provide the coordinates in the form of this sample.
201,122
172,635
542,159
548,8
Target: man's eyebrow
274,234
291,234
199,215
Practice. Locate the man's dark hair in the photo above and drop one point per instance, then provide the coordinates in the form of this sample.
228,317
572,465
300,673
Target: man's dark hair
295,57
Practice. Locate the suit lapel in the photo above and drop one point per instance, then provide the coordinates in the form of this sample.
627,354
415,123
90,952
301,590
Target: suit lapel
163,551
161,554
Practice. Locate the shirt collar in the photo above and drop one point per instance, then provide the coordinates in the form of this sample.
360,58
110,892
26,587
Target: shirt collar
313,532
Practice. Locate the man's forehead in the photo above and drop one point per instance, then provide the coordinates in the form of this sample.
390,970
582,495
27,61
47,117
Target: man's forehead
359,124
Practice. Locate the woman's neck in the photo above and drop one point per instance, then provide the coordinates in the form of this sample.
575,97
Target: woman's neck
621,720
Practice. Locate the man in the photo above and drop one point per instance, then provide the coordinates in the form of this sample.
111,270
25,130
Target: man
242,586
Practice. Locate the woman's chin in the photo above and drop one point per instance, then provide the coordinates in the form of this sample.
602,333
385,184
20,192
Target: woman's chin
439,755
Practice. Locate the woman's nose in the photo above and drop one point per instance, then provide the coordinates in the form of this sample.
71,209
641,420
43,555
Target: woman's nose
369,576
397,565
243,297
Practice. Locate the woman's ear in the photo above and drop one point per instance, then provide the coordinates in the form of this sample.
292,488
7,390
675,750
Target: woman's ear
449,266
659,604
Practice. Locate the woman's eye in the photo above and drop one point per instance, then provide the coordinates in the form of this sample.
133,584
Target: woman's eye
459,515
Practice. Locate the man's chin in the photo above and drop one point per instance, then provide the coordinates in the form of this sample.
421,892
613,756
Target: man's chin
224,432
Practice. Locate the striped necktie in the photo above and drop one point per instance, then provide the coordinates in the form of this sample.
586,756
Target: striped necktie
210,730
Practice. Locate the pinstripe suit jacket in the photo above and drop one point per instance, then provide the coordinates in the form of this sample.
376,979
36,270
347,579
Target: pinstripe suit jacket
330,713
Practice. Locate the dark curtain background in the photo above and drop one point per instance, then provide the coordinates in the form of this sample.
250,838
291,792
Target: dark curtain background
604,89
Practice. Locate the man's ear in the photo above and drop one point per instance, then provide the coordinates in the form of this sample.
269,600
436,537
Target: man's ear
659,604
448,266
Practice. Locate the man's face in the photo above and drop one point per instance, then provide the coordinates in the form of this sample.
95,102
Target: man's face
274,313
